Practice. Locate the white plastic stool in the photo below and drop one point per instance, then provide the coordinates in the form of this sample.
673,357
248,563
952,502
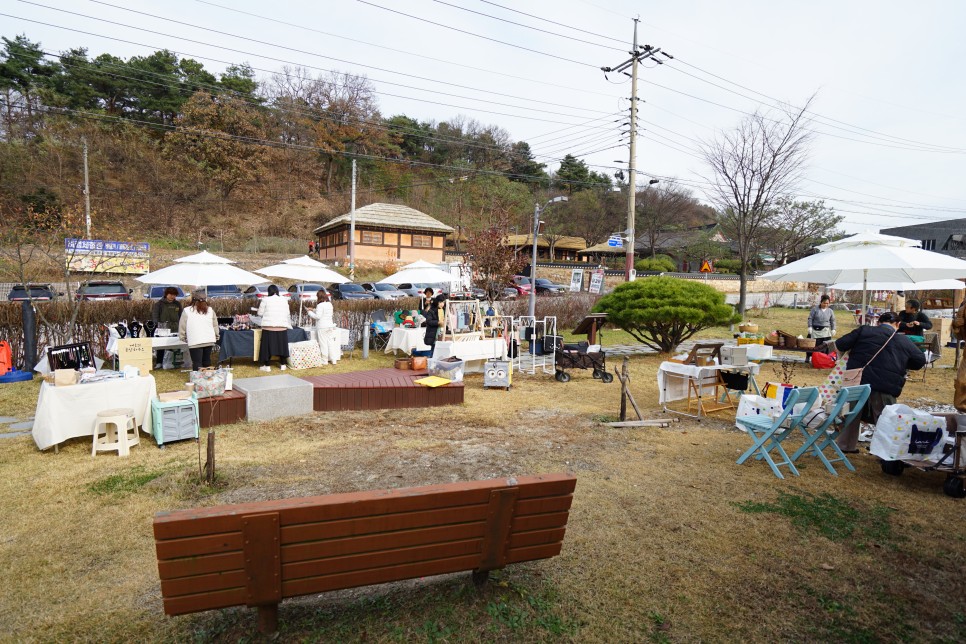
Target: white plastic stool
112,429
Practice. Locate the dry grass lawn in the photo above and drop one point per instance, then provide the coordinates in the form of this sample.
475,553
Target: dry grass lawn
668,539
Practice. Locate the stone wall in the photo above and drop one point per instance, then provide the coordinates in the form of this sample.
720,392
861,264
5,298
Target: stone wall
562,276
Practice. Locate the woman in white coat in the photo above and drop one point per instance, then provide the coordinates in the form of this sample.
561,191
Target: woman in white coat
276,321
198,328
325,329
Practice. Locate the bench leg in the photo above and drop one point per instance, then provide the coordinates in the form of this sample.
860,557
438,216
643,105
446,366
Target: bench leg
480,577
268,619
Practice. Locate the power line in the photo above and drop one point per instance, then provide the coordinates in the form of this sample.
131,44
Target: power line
554,22
476,35
520,24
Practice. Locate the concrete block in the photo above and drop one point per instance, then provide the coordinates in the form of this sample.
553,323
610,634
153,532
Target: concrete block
270,397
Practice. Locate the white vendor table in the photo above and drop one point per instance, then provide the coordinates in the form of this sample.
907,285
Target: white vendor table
473,352
69,412
406,340
677,381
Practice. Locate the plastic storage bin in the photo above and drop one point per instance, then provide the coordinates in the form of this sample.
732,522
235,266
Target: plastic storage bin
444,369
175,420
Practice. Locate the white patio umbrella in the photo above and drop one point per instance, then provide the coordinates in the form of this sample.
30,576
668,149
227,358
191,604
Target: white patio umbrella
419,272
204,257
303,269
862,258
206,274
929,285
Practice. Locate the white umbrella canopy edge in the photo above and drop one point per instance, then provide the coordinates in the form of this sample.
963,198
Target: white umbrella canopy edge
431,275
303,273
868,239
928,285
204,257
304,260
201,275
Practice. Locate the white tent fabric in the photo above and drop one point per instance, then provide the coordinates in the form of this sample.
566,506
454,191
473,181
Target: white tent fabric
419,275
930,285
209,274
304,260
303,273
204,257
866,239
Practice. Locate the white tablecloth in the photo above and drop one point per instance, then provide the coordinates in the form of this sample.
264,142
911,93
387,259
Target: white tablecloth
69,412
676,388
474,353
406,340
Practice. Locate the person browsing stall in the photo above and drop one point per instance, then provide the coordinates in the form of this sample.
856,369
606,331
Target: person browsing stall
886,355
913,321
434,319
198,328
326,332
821,320
276,321
166,313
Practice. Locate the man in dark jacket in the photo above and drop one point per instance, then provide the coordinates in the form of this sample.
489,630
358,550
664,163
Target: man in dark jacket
885,374
167,312
913,321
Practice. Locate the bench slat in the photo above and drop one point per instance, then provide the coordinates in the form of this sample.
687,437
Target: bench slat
203,583
536,537
190,566
539,522
381,524
376,560
225,518
404,538
311,585
543,505
530,553
204,601
193,546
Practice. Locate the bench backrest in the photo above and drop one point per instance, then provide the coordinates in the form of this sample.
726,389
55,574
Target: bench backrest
256,554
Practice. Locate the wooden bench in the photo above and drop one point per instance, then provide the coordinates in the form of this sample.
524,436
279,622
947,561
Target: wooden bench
256,554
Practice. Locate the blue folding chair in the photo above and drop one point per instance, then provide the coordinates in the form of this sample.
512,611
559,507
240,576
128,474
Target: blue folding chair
767,432
823,437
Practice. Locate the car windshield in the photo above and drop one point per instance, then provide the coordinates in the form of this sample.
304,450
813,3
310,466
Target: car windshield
351,288
35,291
310,288
544,282
384,287
521,280
104,289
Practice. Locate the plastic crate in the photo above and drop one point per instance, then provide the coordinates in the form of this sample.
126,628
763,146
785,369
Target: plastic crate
449,370
175,420
751,341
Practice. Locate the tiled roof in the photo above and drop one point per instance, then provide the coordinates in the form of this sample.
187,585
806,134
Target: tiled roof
389,215
563,243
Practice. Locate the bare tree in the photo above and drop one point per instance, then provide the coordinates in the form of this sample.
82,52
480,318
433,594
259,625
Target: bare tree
797,227
661,208
751,167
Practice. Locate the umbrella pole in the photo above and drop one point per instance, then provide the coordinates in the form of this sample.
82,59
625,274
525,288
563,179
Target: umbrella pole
865,293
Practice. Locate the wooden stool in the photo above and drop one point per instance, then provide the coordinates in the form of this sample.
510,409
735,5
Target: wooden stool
111,431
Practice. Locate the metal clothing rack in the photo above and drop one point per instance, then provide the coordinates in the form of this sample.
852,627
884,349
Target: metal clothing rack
532,331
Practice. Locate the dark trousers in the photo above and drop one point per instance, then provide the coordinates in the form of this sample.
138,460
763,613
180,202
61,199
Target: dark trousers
430,338
200,357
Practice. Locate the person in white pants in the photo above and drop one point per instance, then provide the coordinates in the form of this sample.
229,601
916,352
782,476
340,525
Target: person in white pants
326,332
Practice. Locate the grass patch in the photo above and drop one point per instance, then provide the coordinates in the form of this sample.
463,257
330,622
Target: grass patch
125,482
828,515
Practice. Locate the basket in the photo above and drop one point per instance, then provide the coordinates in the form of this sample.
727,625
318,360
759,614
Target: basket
771,339
748,327
787,340
742,341
806,343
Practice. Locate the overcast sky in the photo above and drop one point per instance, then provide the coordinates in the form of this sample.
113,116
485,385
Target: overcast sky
890,144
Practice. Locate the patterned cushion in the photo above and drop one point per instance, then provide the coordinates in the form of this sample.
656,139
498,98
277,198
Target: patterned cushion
304,355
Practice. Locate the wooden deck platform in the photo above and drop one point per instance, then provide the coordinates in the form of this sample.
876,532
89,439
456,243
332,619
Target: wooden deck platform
380,389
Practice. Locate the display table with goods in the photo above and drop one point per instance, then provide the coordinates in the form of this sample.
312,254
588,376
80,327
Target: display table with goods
243,344
704,387
406,340
65,412
474,353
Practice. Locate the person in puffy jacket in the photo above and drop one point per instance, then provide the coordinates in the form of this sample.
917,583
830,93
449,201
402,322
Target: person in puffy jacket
276,321
166,312
885,373
913,321
198,328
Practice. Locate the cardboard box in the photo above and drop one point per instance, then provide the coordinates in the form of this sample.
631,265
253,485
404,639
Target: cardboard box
736,356
135,352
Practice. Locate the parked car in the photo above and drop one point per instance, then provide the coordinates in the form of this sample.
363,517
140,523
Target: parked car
384,291
415,290
156,291
546,287
349,291
259,291
521,284
306,292
226,291
102,291
505,293
36,292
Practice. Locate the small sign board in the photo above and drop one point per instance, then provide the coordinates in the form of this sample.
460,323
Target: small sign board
576,280
706,266
136,352
597,281
615,241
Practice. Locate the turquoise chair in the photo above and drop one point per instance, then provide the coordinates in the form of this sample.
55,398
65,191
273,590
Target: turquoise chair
767,432
823,437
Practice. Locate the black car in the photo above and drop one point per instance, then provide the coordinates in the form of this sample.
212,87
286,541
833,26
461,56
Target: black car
349,291
546,287
227,291
103,291
37,293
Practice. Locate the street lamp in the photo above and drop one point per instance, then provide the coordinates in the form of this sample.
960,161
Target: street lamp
537,211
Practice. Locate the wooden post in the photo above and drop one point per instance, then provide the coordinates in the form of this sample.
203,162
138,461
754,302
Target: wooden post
210,463
623,380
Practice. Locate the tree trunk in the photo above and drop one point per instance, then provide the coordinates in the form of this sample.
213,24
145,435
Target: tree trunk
742,289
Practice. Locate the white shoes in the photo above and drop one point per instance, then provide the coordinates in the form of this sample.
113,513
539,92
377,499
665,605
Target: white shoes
265,368
283,367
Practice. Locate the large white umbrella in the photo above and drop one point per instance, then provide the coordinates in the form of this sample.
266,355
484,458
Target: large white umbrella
204,257
187,274
861,258
419,272
303,269
929,285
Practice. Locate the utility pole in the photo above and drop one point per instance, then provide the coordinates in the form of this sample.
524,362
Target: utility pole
637,55
352,227
87,193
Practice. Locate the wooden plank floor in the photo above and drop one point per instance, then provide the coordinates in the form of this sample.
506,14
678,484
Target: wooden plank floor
380,389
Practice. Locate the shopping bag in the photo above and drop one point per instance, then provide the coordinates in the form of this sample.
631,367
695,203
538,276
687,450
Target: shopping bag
209,382
778,391
822,361
304,355
906,433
